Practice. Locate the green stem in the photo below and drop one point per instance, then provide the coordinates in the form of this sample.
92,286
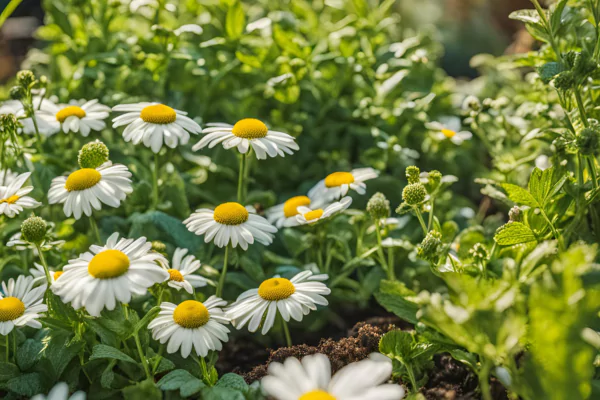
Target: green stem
484,380
384,263
143,360
430,219
286,331
95,229
44,264
242,172
10,8
420,217
553,229
223,273
411,376
38,136
581,108
593,171
548,27
7,348
155,182
161,349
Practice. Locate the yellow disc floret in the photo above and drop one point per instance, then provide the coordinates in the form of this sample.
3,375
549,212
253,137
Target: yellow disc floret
108,264
250,128
158,114
82,179
69,111
317,395
231,214
57,274
175,275
10,200
314,214
338,179
449,133
11,308
290,207
191,314
276,289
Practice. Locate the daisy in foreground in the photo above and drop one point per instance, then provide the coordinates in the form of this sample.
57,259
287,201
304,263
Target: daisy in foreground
245,133
284,215
191,324
77,116
311,380
21,304
293,298
338,184
449,129
181,273
107,274
154,124
308,216
87,188
60,391
231,223
13,196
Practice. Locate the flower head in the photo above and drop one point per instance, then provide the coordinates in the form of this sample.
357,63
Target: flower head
93,155
284,214
77,116
21,304
60,391
13,195
310,216
33,230
378,206
338,184
181,272
449,128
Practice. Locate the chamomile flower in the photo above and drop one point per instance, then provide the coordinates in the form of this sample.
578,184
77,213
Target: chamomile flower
245,133
13,196
21,304
191,324
40,106
39,275
310,379
293,298
7,176
449,128
110,273
18,243
87,188
308,216
231,223
181,273
154,124
284,214
60,391
77,116
338,184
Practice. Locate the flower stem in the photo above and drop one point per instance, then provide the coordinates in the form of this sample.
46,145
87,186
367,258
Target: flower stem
44,264
384,263
142,356
7,348
94,227
223,273
420,217
286,331
155,182
242,173
430,218
38,137
484,380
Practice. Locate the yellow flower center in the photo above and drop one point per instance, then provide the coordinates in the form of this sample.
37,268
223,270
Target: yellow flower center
10,200
338,179
158,114
231,214
314,214
175,275
250,128
108,264
317,395
82,179
290,207
449,133
276,289
57,274
191,314
11,308
69,111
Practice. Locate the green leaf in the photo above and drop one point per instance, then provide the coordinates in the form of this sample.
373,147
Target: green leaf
181,380
397,345
221,393
514,233
393,296
520,195
233,381
26,384
108,375
8,371
145,390
549,70
101,351
143,323
235,22
28,353
60,350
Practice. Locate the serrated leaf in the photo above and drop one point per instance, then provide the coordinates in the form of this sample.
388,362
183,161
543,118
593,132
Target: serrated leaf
26,384
60,350
101,351
393,297
221,393
8,371
519,195
182,380
233,381
549,70
527,16
28,353
514,233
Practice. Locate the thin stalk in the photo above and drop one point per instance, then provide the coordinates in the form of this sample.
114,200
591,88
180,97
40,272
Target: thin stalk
38,136
155,182
411,376
286,331
161,349
10,8
223,273
484,380
242,172
392,271
548,27
44,264
136,337
553,229
430,220
581,108
384,263
95,229
593,171
420,217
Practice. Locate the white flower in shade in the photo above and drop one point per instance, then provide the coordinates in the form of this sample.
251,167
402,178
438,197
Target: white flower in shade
231,223
39,275
308,216
87,188
107,274
7,176
77,116
338,184
449,128
311,379
154,124
246,133
40,106
13,196
19,244
60,391
191,324
181,273
284,215
21,304
293,298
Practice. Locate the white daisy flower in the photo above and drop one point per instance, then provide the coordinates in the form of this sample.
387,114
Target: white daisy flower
40,106
60,391
19,244
191,324
245,133
77,116
21,304
338,184
308,216
154,124
87,188
13,196
293,298
231,223
7,176
107,274
284,214
311,379
449,128
181,273
39,275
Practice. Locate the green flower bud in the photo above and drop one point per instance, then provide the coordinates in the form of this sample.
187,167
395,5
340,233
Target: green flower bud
588,141
515,214
25,78
93,155
583,66
564,81
33,230
43,81
479,252
434,178
378,206
17,92
414,194
412,174
9,122
159,247
429,249
472,103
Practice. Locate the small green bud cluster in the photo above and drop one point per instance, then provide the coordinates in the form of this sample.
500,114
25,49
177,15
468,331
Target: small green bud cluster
430,247
434,179
159,247
93,155
588,140
479,252
414,194
25,78
33,230
579,67
378,206
413,174
515,214
9,123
